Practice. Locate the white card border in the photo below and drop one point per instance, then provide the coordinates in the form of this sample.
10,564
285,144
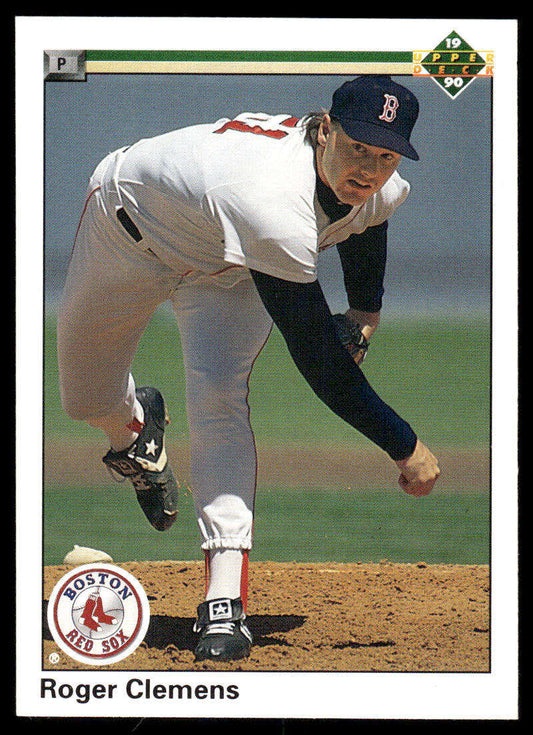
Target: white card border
351,695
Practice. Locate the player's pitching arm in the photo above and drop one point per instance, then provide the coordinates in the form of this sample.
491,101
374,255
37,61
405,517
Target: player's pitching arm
302,315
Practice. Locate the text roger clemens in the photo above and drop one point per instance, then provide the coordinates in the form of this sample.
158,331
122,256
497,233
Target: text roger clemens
136,689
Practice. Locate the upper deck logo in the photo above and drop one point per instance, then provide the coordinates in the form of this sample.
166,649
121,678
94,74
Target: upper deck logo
453,64
98,613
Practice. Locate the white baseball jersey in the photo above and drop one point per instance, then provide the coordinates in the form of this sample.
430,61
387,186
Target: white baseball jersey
235,194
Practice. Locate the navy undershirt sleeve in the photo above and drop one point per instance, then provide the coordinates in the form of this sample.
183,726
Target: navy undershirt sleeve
363,258
302,315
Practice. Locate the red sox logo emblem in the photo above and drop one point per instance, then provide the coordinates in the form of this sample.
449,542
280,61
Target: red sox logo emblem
98,614
389,108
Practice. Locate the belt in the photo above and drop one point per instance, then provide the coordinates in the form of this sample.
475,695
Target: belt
128,224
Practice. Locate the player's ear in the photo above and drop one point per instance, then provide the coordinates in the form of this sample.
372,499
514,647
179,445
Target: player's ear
324,130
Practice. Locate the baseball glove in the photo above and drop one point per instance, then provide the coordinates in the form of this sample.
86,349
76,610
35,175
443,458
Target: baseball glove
351,337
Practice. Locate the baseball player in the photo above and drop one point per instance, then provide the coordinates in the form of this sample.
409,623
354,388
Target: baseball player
226,220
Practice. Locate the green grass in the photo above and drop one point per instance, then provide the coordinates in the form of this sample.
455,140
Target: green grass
318,525
299,525
112,520
434,374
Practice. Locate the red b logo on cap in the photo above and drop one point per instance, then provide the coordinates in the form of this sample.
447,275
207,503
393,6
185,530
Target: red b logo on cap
389,108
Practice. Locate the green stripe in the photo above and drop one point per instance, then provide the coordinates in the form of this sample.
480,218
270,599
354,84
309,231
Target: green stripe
331,56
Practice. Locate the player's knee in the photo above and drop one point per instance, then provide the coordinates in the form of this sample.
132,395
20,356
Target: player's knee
84,406
74,409
215,402
217,388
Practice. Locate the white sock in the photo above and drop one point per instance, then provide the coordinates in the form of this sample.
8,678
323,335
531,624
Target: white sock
225,567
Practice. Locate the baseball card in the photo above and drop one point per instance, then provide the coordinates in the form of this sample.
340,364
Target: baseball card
266,368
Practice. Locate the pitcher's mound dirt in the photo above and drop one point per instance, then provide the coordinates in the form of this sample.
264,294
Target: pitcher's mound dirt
316,617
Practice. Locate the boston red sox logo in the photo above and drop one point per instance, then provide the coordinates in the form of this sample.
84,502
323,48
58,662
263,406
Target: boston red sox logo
93,615
389,108
98,614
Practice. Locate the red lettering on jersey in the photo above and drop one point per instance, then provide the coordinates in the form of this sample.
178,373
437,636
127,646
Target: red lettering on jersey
291,122
244,128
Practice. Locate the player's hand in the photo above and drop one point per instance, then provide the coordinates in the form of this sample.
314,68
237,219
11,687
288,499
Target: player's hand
419,471
368,322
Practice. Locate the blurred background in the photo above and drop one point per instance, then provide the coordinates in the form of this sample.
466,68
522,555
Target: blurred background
440,240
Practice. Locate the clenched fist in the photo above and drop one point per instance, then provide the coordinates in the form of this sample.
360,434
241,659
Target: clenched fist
419,471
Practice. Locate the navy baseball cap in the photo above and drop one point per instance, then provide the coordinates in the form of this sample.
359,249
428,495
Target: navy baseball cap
376,110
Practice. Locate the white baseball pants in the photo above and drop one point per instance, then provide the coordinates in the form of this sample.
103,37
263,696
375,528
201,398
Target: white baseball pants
113,287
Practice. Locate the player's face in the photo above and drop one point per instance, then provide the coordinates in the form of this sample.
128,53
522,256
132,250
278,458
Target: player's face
355,171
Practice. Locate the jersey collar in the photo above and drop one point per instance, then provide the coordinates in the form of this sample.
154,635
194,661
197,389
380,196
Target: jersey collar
334,209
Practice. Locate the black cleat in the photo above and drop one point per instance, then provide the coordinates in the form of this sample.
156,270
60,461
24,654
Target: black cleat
145,463
224,635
